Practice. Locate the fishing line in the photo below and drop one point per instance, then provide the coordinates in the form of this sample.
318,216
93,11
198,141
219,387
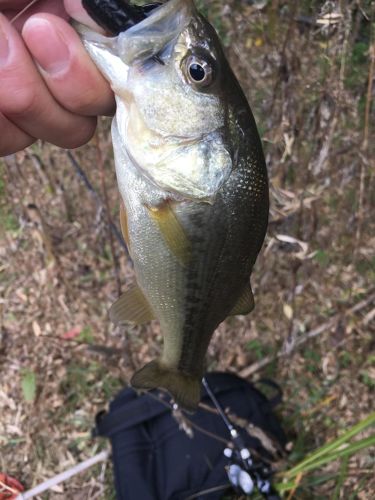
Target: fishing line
26,8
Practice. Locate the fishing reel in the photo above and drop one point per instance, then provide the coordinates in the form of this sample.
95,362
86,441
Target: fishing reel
245,474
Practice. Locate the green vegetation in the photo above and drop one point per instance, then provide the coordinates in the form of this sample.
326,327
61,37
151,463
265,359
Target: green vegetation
84,381
28,384
8,220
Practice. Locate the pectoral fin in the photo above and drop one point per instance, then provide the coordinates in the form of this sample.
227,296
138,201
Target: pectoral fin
245,303
173,233
131,306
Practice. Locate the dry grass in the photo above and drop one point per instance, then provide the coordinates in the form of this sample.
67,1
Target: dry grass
308,83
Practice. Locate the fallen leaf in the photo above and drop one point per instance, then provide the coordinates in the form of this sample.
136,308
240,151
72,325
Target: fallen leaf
288,311
72,334
9,487
36,329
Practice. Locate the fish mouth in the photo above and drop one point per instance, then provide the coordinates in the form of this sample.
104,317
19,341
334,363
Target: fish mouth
142,41
150,36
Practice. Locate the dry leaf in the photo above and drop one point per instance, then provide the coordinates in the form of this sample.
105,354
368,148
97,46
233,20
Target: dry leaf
288,311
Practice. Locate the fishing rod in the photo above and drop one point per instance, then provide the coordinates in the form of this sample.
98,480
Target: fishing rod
244,473
116,16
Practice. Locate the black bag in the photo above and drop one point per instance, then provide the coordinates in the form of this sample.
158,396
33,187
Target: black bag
155,460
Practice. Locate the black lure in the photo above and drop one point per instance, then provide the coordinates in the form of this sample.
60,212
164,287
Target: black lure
116,15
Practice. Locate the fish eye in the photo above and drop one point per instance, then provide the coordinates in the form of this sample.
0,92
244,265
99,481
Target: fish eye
198,71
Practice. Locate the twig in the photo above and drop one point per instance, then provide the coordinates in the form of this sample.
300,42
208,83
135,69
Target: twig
369,95
4,486
64,476
296,484
360,214
107,212
287,38
95,195
190,422
320,163
255,367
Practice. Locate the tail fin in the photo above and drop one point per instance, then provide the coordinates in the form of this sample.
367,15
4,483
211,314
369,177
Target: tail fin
185,390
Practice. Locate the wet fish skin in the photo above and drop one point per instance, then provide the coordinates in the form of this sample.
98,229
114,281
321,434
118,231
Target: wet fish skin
193,180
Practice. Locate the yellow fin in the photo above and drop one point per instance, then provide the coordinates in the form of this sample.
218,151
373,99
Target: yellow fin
245,304
172,231
131,306
185,390
124,223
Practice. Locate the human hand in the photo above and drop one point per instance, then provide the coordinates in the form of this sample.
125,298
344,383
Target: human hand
49,87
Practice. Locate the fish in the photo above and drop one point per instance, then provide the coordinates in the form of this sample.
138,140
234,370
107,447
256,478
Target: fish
193,184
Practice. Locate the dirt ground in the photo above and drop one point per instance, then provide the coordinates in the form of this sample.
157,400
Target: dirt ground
308,71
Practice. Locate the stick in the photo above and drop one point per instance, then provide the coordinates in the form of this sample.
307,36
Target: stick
107,212
250,370
63,476
95,195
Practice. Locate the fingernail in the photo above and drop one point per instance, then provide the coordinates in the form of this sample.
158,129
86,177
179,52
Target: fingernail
46,45
4,44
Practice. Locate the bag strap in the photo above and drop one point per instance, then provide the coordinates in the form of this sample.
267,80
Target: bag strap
133,413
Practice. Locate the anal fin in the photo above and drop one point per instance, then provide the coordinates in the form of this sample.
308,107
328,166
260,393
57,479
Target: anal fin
245,303
131,306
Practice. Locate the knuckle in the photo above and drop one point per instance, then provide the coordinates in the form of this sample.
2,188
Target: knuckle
11,138
85,103
24,102
79,136
88,93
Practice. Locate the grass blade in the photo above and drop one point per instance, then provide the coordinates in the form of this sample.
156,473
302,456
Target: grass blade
330,457
332,446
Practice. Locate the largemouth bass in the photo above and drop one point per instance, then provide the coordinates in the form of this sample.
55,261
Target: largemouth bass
193,183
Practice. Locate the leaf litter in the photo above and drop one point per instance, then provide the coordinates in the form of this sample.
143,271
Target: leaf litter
305,67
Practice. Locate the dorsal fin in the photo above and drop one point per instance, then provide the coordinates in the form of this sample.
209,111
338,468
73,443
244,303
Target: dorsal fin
131,306
172,231
245,304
